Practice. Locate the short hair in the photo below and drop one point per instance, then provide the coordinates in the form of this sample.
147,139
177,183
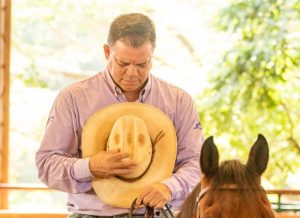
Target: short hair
134,28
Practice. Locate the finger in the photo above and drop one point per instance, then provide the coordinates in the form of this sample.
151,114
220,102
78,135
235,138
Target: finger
160,204
120,172
105,176
153,203
148,200
120,155
150,196
140,198
117,170
139,202
128,164
112,151
138,206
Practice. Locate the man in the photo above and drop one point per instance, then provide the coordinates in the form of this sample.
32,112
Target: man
127,78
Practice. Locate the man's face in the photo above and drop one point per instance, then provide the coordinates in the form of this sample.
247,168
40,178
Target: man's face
129,66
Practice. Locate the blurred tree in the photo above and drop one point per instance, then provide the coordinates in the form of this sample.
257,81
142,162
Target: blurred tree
256,87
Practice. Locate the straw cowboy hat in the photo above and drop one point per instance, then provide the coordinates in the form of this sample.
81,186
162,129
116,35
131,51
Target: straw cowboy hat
152,144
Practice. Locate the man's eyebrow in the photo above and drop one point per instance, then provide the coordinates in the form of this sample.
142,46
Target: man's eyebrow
121,62
142,63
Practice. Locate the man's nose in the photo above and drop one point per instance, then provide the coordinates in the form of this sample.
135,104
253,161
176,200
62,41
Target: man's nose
132,70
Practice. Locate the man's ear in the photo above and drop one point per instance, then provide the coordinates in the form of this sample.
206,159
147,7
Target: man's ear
106,49
259,155
209,158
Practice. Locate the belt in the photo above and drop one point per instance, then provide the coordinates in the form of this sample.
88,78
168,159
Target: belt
115,216
158,214
125,215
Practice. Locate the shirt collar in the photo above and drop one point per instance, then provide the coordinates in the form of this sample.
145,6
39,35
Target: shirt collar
117,91
146,90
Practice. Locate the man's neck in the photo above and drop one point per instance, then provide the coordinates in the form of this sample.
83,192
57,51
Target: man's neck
131,96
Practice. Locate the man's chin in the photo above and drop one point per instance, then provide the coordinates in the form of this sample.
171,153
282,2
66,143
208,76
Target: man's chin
130,88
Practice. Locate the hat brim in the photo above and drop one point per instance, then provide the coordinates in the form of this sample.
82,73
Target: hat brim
115,191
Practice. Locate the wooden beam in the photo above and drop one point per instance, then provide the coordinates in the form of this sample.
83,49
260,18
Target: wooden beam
24,187
5,22
283,191
32,213
15,214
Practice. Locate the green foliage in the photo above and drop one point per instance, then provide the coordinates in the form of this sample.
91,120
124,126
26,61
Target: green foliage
32,78
257,87
47,41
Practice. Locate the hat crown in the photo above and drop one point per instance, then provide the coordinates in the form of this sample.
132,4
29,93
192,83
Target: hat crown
130,134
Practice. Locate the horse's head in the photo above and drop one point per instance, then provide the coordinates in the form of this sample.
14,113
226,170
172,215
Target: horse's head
230,189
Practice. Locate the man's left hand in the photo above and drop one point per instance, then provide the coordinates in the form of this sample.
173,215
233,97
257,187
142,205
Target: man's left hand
156,195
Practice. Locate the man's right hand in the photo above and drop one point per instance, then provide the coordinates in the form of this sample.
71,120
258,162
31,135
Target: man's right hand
106,164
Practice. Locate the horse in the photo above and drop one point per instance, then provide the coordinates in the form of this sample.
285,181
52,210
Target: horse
230,189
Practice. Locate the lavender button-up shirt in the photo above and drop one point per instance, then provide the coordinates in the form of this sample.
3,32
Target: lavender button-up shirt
59,158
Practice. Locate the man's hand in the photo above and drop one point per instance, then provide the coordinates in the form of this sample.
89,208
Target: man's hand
156,195
106,164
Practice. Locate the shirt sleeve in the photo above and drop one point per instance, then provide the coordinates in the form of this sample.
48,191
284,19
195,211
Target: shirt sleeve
58,160
186,174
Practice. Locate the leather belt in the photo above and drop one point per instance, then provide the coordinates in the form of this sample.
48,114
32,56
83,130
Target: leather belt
122,216
125,215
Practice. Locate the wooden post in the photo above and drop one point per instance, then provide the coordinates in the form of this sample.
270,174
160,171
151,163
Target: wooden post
5,15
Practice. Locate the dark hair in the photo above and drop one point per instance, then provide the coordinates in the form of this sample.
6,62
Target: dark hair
134,28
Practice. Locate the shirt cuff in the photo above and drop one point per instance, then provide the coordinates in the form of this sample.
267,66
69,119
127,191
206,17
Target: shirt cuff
81,170
174,187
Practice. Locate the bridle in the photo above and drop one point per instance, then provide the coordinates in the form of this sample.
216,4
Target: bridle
202,193
227,187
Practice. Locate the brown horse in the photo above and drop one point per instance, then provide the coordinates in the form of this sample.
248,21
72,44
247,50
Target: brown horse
231,189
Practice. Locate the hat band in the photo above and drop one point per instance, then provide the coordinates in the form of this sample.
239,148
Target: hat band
159,136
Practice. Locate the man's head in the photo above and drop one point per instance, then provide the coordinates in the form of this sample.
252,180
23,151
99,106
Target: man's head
134,29
131,42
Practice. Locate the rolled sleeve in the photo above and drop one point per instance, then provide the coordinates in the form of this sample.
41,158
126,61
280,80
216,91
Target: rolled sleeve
81,171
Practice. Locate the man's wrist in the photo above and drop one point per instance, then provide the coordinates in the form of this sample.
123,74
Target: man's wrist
82,171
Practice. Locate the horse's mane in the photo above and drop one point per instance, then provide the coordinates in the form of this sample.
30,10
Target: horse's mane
229,172
234,172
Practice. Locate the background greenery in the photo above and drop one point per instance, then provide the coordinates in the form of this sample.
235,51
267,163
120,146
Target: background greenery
238,59
256,86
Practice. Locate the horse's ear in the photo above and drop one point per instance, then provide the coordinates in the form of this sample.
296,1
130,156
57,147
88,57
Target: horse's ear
259,155
209,158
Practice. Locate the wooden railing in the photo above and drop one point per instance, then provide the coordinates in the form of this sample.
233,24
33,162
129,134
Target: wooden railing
24,187
7,213
278,206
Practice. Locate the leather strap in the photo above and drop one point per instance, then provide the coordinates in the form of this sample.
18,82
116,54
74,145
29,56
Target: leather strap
149,211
